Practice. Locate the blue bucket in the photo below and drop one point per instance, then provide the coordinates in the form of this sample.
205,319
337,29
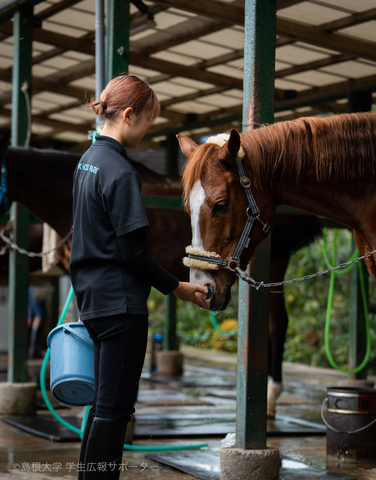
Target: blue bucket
71,364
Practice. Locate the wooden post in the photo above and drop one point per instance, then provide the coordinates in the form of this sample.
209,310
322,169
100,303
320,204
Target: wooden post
259,55
19,264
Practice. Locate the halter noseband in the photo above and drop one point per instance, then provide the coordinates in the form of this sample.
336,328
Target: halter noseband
211,260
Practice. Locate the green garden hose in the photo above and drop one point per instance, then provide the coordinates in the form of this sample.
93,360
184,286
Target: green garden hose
330,303
42,376
218,328
81,431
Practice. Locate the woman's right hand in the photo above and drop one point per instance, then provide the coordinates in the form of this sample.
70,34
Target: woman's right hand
189,292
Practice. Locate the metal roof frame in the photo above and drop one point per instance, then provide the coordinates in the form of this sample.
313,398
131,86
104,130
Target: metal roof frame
193,59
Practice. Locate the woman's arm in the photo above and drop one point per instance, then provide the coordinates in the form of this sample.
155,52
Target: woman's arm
135,253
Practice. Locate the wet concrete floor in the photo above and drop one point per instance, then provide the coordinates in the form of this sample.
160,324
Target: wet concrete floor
206,390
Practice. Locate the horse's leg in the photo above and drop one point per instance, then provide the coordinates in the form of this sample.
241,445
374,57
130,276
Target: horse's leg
278,321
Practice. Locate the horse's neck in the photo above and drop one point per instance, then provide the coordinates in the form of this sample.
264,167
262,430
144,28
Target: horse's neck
154,184
42,182
343,201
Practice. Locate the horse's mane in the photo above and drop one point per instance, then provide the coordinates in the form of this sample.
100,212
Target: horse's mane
341,147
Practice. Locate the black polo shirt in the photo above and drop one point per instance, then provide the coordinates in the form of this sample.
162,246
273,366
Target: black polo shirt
107,204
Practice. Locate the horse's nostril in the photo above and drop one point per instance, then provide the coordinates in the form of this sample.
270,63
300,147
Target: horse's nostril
210,294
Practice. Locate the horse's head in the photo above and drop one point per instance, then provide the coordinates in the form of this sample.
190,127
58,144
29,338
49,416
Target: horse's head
216,203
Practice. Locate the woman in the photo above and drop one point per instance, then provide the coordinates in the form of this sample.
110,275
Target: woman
112,270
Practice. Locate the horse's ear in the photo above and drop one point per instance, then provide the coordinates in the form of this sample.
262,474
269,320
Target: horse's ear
230,149
187,145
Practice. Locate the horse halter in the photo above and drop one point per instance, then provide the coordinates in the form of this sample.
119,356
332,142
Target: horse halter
211,260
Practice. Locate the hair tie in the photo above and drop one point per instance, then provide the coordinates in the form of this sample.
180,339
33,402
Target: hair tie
103,104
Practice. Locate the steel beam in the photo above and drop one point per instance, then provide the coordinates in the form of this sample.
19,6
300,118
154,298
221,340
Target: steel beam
358,102
19,264
9,8
118,20
357,328
259,56
170,341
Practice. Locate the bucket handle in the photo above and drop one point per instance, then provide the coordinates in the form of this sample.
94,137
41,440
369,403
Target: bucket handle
324,403
69,329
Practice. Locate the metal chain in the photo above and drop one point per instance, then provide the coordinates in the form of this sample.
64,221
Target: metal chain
33,254
257,285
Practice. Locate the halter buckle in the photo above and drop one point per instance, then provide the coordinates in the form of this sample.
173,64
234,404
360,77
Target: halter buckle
230,261
245,182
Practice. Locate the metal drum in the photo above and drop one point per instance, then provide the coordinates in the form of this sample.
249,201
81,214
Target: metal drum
351,425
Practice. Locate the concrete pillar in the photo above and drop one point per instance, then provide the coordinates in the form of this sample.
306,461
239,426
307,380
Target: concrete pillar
240,464
169,362
18,398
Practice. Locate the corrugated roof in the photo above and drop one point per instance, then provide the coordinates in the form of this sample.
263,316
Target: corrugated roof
193,58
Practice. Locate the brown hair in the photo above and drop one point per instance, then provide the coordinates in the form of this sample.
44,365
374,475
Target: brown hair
126,91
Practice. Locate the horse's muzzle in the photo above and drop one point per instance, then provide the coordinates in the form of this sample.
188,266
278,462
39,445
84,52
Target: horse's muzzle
210,294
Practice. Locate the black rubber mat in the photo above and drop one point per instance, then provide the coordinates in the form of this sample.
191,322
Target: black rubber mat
173,425
46,426
181,425
167,398
205,464
191,379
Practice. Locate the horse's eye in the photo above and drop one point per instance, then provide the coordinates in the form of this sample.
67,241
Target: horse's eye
220,206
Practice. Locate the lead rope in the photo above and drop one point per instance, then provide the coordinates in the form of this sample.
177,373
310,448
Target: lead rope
257,285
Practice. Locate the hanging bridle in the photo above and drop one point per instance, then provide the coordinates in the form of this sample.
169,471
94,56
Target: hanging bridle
253,213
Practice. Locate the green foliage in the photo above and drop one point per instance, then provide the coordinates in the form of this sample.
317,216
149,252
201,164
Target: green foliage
306,306
194,326
220,341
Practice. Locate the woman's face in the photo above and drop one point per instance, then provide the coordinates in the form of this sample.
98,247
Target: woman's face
138,125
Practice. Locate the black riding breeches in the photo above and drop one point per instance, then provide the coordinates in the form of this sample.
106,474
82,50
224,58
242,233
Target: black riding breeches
119,343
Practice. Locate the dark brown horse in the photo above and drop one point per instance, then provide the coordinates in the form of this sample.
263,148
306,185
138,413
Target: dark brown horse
323,166
41,180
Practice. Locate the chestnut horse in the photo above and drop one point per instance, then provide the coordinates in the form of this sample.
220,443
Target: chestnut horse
42,181
325,166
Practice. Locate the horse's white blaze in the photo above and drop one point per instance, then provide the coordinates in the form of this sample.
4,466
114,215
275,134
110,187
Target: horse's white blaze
196,200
